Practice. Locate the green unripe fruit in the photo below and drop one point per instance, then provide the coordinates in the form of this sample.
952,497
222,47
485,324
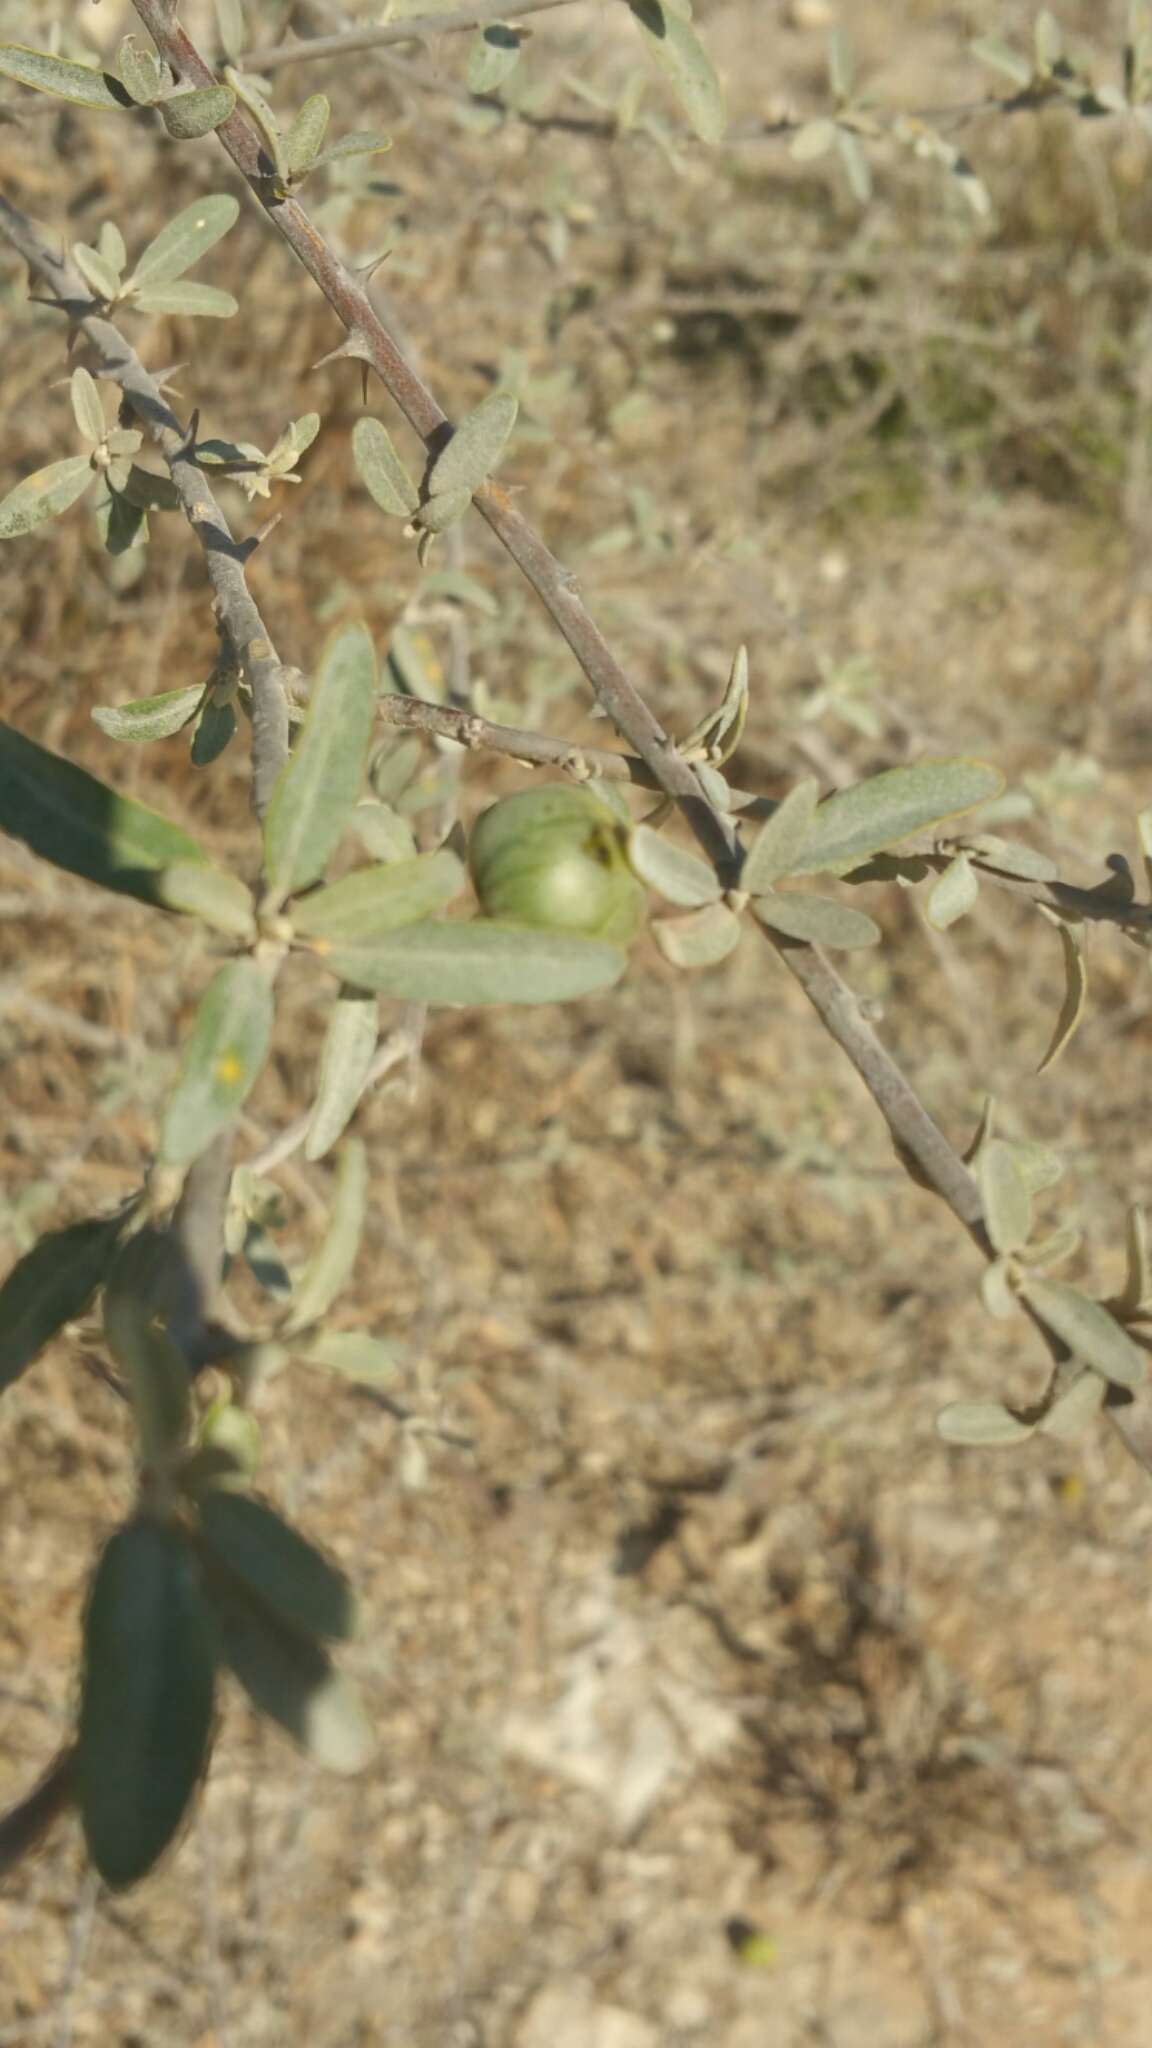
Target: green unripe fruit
556,857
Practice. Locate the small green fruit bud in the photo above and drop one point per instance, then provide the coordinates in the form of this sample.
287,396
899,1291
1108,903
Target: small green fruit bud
555,857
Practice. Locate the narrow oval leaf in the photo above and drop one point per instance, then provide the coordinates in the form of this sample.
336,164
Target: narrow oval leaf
345,1064
1006,1197
278,1566
303,141
1076,1409
780,841
150,718
1138,1268
381,470
817,920
358,142
1011,857
354,1354
481,962
330,1267
293,1681
96,271
219,900
680,876
321,779
476,446
701,939
676,47
78,823
141,72
78,83
444,508
215,730
224,1054
154,1366
187,238
1075,995
50,1286
982,1423
852,825
87,410
189,115
197,301
953,895
44,495
1037,1164
382,832
1088,1330
493,57
361,907
146,1700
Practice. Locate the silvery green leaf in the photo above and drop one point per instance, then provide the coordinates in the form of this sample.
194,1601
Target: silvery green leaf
854,824
1137,1286
1076,1409
146,1699
233,28
110,246
215,730
1011,857
982,1424
777,846
303,141
841,63
671,39
997,1291
77,83
1038,1165
105,281
189,115
320,782
856,167
700,939
50,1286
354,1354
186,238
1048,40
77,822
44,495
494,55
87,409
220,900
474,450
1007,1201
443,509
360,142
123,440
395,764
1045,1252
382,832
153,1365
817,920
480,962
381,470
361,907
681,877
714,785
150,718
142,74
813,140
345,1064
1075,994
223,1056
953,895
198,301
292,1679
329,1269
277,1566
453,583
997,55
1088,1330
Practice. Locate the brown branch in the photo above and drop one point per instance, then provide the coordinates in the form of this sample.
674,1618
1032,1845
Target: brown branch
246,637
417,29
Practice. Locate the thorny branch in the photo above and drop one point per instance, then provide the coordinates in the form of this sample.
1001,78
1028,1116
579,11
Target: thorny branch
915,1133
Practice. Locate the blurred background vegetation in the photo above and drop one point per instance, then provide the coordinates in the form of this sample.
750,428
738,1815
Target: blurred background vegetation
719,1701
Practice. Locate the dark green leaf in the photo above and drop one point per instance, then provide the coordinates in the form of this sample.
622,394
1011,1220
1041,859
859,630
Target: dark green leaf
278,1566
146,1703
78,823
293,1680
154,1366
52,1285
215,731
